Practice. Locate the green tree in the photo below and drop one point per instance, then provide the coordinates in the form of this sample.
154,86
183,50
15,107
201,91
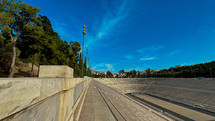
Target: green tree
109,74
148,72
30,44
133,73
14,16
121,71
74,58
5,53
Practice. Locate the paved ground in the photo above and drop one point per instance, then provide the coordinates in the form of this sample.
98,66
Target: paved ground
198,92
105,104
192,114
94,108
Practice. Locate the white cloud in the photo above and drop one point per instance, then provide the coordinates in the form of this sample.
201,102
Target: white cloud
148,58
116,14
149,52
103,67
109,67
173,53
151,49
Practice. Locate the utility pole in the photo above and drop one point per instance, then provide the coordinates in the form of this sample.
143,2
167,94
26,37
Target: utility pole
86,64
89,67
84,33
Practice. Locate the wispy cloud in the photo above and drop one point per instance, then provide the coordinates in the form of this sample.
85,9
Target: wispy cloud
114,16
103,67
148,58
109,67
173,52
128,57
60,27
150,49
149,52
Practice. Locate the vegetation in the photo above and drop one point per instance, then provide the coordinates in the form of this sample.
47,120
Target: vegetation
109,74
29,37
199,70
206,70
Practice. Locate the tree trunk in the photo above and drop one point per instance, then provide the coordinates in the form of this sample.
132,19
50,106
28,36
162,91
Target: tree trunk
13,60
39,64
32,67
14,53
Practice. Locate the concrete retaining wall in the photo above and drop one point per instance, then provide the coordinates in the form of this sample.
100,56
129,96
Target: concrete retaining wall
42,99
190,91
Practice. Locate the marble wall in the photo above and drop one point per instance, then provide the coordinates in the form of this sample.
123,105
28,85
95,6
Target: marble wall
41,99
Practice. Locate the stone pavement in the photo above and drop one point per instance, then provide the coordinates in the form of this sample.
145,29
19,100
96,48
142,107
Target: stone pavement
94,108
105,104
189,113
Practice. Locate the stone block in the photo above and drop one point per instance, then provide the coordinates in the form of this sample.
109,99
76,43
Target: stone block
56,71
42,99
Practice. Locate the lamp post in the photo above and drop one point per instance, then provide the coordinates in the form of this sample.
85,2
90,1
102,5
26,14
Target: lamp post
84,33
89,67
86,63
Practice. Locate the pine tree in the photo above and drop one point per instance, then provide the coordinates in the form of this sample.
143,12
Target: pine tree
14,16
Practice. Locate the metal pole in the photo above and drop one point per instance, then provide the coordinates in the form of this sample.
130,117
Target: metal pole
86,64
89,67
84,32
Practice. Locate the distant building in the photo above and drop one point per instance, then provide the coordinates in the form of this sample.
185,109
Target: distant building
122,75
142,72
178,66
96,72
154,71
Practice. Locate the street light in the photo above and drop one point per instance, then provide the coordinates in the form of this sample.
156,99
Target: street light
89,66
86,63
84,33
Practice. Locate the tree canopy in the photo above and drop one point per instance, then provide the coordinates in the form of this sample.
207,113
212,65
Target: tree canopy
29,37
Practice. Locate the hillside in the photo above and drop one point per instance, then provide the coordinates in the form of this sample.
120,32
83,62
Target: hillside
22,70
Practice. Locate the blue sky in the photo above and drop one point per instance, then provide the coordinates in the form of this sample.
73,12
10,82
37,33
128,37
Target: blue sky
136,34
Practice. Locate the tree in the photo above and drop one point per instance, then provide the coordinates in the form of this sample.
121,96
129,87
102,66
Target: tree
74,58
80,63
75,48
109,74
121,71
29,43
133,73
148,72
5,53
14,16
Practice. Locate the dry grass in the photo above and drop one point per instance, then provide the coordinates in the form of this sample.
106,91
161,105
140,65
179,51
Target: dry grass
22,70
